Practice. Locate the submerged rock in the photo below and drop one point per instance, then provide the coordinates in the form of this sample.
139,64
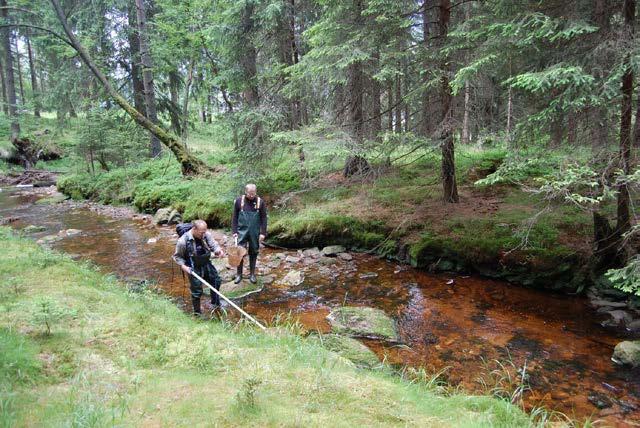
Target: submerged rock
368,275
237,291
350,349
363,322
52,200
627,353
333,250
293,278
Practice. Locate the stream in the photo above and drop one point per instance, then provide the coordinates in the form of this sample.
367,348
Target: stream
460,325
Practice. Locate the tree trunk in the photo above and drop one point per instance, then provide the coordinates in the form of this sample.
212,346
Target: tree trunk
134,51
34,79
174,110
5,102
426,113
637,125
390,106
572,128
248,62
19,69
398,107
185,101
448,160
10,81
190,165
623,224
465,119
147,75
509,112
376,108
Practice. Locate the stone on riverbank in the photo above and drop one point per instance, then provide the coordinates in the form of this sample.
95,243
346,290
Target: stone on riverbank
333,250
167,215
363,322
350,349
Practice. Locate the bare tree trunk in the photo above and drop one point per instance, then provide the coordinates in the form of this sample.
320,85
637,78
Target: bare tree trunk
10,81
509,113
185,102
5,102
19,68
147,75
390,107
623,213
398,108
134,51
465,119
571,128
376,115
448,160
190,165
637,125
426,116
249,59
34,79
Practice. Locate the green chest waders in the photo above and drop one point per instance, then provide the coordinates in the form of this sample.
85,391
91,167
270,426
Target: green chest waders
249,234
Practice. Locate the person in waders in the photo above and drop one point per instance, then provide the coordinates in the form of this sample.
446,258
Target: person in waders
249,226
193,251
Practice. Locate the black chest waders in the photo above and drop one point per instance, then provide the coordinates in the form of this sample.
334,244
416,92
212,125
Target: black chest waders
201,264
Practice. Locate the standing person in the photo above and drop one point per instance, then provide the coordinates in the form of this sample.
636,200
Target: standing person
193,251
249,226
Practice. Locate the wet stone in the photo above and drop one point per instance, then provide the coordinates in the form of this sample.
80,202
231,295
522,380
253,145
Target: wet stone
600,400
311,252
345,256
627,353
368,275
293,278
333,250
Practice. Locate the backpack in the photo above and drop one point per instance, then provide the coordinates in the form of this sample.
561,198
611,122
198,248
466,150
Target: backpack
183,228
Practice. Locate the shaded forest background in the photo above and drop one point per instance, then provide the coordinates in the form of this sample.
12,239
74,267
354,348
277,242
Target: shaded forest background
536,101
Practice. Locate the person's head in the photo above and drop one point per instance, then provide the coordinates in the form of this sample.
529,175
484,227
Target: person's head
199,228
250,191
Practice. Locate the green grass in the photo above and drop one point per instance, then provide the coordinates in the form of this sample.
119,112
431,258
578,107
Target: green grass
122,358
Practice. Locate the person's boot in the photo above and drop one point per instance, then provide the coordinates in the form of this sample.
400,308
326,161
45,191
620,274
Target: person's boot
197,311
238,277
253,258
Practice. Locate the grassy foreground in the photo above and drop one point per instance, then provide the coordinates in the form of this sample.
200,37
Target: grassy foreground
78,349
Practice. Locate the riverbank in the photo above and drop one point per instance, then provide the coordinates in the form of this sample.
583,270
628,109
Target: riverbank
91,351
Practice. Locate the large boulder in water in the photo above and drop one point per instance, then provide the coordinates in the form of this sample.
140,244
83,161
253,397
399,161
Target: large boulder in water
167,215
363,322
627,353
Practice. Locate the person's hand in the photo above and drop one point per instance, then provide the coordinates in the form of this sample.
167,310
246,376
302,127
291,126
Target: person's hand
186,269
235,236
220,253
261,237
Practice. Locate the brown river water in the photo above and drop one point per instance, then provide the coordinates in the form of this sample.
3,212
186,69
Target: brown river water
460,325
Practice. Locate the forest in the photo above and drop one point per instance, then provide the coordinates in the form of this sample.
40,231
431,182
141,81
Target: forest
396,144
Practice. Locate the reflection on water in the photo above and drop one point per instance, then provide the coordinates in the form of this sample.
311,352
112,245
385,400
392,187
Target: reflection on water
461,326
